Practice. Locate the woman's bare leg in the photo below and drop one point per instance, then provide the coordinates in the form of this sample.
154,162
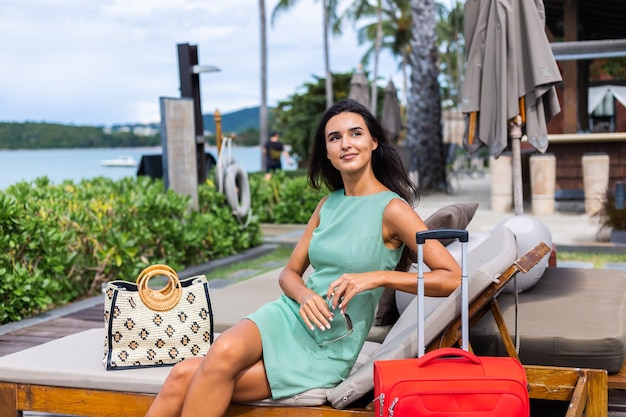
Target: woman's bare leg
233,364
232,369
172,394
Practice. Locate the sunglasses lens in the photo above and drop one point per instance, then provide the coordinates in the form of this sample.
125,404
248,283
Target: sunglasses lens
348,321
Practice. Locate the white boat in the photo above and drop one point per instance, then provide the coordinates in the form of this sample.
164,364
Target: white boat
121,161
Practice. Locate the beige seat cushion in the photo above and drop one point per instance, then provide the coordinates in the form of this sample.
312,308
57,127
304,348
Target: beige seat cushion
76,361
571,317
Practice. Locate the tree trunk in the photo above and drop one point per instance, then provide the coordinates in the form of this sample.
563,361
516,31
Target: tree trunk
329,80
263,109
424,103
377,45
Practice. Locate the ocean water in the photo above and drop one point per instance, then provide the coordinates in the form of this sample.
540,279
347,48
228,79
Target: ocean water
76,164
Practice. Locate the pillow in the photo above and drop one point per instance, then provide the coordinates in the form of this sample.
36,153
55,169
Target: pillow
387,310
454,216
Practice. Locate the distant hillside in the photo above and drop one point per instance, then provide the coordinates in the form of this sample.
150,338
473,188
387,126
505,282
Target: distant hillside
236,121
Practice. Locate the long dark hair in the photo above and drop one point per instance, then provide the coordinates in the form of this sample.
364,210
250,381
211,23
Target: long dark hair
386,162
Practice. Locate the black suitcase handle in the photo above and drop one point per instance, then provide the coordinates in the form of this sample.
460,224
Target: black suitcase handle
460,234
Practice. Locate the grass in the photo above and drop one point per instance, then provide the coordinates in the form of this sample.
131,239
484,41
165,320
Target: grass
281,254
598,259
257,266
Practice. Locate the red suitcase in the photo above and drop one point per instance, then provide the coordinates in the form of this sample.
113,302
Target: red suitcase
449,381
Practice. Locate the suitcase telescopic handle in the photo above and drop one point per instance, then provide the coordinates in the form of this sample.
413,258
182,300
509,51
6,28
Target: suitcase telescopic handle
422,236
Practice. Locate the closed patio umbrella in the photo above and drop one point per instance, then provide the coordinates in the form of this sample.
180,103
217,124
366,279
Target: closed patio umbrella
391,117
510,77
359,88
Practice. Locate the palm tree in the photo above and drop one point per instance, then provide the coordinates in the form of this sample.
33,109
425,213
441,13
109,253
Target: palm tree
424,104
263,71
358,10
450,35
329,12
391,30
377,46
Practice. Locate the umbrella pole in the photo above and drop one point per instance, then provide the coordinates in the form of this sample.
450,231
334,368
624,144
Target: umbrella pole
515,134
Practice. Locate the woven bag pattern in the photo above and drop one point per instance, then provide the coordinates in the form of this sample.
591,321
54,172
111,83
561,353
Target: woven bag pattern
147,327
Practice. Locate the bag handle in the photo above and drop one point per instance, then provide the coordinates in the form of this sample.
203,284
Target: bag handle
447,352
167,297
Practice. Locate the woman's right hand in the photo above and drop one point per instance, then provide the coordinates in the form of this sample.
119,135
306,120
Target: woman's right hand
315,312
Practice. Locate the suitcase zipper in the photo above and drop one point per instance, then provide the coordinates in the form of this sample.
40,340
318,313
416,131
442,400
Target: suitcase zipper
393,405
381,404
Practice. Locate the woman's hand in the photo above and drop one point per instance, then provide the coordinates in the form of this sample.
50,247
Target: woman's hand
314,311
341,290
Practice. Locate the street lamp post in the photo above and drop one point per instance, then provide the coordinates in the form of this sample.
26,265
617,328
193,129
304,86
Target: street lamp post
189,72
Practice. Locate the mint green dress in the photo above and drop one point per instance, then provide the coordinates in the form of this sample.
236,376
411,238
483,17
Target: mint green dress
348,240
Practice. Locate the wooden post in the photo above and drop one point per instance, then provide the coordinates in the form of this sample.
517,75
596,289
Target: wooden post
570,70
218,130
179,147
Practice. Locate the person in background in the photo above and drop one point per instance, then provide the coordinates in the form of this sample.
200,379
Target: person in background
272,151
359,240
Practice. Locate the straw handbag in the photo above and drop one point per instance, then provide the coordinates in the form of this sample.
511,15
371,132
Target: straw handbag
156,327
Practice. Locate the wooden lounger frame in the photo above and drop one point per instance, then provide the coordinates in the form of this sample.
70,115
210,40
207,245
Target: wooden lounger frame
586,390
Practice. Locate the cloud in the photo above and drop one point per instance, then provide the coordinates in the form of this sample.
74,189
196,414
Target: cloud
106,62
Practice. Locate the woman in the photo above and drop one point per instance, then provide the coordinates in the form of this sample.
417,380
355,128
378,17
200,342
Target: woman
310,337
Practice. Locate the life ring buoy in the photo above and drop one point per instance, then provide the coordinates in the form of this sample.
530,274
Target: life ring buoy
223,162
237,189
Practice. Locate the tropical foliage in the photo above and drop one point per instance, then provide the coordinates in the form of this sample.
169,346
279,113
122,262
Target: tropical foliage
59,243
610,216
286,198
416,32
387,27
62,242
451,53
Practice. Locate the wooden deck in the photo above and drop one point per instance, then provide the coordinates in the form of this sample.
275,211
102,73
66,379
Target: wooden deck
37,334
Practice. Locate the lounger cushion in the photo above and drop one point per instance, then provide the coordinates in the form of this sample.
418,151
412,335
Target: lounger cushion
76,361
485,263
571,317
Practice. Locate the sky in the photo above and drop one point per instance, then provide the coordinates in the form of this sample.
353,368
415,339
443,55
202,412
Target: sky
105,62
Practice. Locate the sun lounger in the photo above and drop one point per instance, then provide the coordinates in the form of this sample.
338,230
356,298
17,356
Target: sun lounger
66,376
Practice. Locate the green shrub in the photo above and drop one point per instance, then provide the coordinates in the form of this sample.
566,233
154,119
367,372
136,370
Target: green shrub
610,217
284,199
62,242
